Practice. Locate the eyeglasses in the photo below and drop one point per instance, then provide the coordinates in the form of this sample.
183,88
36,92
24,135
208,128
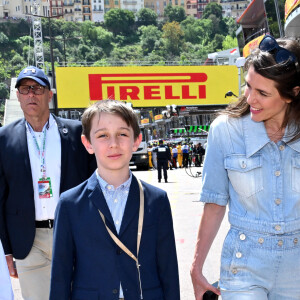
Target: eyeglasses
36,89
280,54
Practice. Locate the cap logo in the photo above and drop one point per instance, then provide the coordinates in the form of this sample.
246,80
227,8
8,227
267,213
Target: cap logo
32,70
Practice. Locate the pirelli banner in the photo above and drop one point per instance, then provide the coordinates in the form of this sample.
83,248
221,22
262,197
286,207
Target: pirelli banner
78,87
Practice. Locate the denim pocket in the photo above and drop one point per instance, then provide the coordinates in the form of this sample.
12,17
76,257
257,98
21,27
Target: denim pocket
245,174
296,173
234,259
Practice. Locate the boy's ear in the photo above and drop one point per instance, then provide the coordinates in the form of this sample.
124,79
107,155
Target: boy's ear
137,142
87,144
296,90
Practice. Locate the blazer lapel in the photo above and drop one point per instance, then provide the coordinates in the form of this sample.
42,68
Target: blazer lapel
21,135
97,198
132,205
64,139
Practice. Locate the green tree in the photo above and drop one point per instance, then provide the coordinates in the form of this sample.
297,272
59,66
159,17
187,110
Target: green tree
175,13
272,17
231,25
3,70
119,21
88,31
4,93
104,39
212,8
197,31
148,37
218,42
173,35
146,17
229,42
213,11
126,54
71,29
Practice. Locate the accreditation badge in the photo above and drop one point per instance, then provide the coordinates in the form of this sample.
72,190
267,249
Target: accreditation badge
45,189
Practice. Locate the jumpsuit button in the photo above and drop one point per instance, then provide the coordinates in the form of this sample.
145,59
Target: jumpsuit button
238,254
277,173
242,237
277,227
281,147
244,165
234,270
295,240
278,201
280,243
261,240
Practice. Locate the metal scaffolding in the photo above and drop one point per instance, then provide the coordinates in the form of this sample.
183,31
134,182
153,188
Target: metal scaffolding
37,35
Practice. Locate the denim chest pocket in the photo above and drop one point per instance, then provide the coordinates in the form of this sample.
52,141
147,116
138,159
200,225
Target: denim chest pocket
296,173
245,174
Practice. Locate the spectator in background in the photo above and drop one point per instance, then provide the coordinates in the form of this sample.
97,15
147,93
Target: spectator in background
163,155
179,156
185,153
174,156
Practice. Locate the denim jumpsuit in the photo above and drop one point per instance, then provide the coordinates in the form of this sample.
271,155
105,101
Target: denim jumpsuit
260,181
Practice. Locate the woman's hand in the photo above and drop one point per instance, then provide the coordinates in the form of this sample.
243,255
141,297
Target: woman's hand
210,223
200,284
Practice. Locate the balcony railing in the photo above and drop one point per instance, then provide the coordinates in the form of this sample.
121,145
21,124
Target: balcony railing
130,2
77,9
98,10
68,4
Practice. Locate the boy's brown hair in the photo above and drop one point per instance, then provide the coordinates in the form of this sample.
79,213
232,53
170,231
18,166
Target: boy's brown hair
113,107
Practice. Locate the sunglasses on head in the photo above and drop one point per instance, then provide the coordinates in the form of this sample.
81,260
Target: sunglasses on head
280,54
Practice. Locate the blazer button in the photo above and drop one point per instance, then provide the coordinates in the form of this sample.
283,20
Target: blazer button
119,251
115,291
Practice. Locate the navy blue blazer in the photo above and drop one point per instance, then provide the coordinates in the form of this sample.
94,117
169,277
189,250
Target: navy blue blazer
88,265
17,211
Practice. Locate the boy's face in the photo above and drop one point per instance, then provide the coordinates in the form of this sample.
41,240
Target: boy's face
112,141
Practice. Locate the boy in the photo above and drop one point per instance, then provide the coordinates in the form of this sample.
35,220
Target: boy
87,263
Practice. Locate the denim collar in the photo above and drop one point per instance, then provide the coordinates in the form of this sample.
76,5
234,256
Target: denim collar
256,136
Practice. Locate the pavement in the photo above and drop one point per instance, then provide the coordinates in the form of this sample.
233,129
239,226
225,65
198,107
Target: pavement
183,191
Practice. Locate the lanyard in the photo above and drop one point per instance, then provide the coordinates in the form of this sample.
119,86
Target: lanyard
41,152
139,235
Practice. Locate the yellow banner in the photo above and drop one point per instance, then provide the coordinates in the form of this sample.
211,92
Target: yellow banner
158,117
145,121
290,5
252,45
78,87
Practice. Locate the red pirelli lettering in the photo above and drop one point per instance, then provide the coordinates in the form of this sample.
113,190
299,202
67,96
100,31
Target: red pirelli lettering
98,81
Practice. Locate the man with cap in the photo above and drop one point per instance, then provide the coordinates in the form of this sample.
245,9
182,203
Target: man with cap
163,155
41,156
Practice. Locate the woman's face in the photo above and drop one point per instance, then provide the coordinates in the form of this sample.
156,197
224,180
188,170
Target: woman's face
265,102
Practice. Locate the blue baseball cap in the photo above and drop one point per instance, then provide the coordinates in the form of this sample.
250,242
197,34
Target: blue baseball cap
35,74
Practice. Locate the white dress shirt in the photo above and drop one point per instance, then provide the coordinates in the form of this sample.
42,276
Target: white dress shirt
45,207
116,200
6,292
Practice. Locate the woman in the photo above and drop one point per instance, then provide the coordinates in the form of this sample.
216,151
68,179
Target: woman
253,164
6,292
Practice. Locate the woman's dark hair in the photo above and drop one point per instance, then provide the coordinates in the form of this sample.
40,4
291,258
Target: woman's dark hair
285,77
